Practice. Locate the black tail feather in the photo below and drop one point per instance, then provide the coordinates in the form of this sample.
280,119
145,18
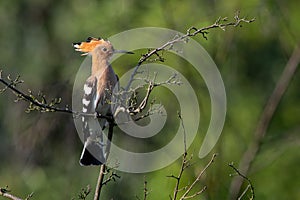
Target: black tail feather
92,155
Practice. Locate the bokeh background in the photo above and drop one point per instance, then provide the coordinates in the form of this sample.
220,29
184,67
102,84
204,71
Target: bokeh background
39,151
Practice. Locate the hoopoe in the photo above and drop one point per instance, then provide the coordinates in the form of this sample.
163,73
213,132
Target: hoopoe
98,90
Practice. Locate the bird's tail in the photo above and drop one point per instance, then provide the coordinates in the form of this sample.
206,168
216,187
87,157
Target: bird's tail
92,153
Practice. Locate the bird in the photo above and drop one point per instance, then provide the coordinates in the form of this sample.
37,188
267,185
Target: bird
98,90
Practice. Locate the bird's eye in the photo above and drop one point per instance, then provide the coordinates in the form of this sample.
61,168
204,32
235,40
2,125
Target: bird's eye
104,49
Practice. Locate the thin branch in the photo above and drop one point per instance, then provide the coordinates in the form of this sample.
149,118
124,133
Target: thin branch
144,102
146,192
191,32
265,118
84,193
10,196
184,133
29,97
41,105
151,85
6,193
185,195
100,181
197,193
245,192
185,162
178,177
112,176
250,185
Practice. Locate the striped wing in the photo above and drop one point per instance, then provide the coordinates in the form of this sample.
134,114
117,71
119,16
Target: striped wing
93,151
96,98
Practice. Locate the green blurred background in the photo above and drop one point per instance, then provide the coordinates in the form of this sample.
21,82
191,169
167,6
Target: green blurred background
40,151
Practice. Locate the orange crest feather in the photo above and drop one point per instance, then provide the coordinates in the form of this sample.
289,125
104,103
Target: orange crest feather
88,45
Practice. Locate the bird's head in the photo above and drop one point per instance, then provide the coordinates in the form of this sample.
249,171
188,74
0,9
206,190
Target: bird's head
97,46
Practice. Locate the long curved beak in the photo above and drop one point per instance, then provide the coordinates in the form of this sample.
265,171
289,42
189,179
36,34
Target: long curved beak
123,51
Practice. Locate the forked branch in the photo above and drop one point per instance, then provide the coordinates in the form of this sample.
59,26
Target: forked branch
249,186
186,194
221,23
265,119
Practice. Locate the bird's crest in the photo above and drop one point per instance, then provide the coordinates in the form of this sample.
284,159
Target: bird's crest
88,45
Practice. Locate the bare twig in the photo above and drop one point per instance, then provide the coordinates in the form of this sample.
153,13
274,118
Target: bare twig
265,119
185,162
245,192
185,195
184,165
6,193
101,181
41,104
149,112
184,133
249,186
112,176
133,110
197,193
193,31
84,193
144,102
146,192
29,196
10,196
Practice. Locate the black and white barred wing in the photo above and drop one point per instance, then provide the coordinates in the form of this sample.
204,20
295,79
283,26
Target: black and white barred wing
93,150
